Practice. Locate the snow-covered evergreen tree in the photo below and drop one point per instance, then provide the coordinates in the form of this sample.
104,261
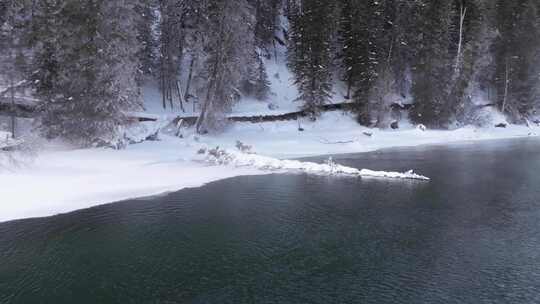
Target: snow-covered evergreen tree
89,80
229,48
309,55
517,52
366,31
432,66
146,21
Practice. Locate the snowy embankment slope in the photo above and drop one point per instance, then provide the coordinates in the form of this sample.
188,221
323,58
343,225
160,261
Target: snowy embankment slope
60,181
338,133
63,181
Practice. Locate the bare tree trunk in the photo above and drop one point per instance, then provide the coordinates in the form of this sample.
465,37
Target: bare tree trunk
202,116
506,86
349,88
180,96
208,98
213,84
162,80
170,92
275,50
13,119
390,52
462,14
190,76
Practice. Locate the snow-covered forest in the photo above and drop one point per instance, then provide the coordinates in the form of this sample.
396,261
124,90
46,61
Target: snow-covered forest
84,65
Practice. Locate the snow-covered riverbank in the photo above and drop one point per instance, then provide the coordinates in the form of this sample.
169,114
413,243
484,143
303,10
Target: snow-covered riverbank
61,180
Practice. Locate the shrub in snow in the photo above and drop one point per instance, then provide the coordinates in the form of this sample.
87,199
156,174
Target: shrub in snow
15,153
421,127
272,106
243,147
201,151
486,117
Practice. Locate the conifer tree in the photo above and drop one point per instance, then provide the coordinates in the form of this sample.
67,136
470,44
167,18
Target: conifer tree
517,57
90,80
146,21
432,66
229,46
310,51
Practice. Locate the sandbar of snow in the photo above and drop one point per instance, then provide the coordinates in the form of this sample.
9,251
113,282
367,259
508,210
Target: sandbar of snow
266,163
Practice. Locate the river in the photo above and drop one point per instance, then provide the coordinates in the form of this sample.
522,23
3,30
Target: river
470,235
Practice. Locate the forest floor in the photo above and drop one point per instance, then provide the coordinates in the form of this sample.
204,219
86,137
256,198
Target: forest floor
59,179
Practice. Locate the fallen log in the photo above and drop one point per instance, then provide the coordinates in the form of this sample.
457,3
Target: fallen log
17,109
190,121
29,111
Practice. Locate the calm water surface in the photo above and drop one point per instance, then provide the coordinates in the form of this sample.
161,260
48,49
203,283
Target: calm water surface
471,235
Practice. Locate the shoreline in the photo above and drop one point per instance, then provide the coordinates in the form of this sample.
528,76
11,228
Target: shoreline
59,182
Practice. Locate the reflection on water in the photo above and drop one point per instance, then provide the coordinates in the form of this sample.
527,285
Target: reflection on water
471,235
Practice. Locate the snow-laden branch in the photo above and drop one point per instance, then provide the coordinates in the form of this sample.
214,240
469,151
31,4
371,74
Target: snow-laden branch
15,86
239,159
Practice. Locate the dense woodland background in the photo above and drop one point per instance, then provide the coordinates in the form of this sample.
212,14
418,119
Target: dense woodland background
85,61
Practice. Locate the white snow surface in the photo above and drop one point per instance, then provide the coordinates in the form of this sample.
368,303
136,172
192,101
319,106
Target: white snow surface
61,180
239,159
66,180
339,133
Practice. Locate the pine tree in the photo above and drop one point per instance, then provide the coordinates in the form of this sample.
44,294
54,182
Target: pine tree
432,67
473,58
171,40
310,51
266,22
90,80
229,46
517,57
368,39
256,83
13,57
146,21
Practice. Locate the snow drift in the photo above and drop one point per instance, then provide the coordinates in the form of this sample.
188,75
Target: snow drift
239,159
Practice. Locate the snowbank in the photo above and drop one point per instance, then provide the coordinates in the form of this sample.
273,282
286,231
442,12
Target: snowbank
339,133
61,180
238,159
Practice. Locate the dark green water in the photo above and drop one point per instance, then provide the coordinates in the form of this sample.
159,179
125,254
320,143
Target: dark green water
471,235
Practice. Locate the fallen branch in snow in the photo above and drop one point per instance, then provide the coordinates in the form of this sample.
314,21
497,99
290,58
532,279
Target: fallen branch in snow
218,156
18,109
20,84
327,142
192,120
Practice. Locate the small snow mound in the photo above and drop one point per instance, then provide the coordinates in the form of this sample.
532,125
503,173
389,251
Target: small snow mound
407,175
225,157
